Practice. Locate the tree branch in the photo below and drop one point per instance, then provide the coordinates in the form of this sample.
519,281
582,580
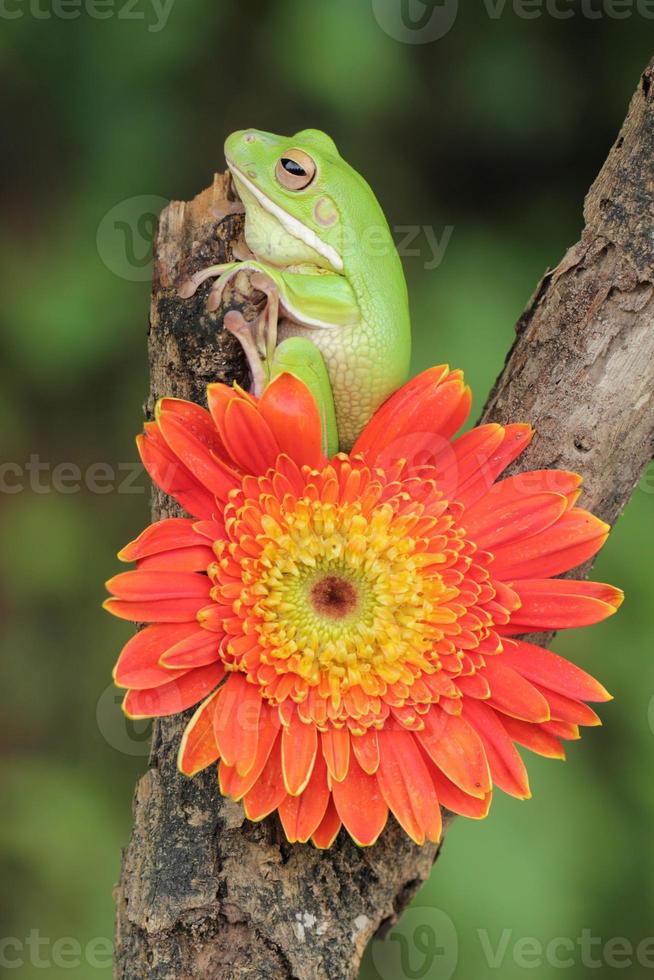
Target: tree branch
205,893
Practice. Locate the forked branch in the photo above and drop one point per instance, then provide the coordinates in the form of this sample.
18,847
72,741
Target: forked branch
204,893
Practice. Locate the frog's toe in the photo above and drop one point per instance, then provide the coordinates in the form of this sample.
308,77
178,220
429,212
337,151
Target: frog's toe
215,297
264,283
190,286
241,252
213,300
187,289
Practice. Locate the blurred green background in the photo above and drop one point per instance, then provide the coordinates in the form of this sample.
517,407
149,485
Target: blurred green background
490,134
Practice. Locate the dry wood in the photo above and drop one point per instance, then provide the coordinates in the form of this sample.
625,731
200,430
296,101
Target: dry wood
204,893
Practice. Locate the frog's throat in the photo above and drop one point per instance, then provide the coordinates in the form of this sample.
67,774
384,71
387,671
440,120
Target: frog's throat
289,223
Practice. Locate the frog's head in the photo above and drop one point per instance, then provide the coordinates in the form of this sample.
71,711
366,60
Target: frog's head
295,190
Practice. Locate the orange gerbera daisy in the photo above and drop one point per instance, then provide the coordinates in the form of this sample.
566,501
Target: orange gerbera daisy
348,624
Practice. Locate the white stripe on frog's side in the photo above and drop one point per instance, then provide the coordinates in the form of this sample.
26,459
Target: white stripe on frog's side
289,223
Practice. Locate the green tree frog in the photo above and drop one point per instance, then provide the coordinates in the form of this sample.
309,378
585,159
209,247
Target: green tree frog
320,247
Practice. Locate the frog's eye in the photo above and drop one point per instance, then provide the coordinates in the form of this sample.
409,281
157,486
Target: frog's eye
295,170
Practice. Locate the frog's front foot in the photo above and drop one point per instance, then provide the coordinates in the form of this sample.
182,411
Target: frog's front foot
224,274
258,337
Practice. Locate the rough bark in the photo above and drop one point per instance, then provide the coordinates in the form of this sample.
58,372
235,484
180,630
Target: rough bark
204,893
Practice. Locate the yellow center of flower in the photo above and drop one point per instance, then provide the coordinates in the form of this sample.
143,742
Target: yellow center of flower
351,593
344,593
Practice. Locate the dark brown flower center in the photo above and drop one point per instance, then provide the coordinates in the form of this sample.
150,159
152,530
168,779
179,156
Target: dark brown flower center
333,597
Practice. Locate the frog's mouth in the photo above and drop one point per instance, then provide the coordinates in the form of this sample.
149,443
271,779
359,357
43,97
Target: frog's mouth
288,222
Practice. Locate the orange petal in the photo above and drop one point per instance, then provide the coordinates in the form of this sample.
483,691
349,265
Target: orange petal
533,737
301,815
562,729
299,748
360,805
209,466
231,784
515,439
219,397
248,437
513,519
290,410
176,696
575,538
166,535
329,827
236,722
512,694
569,709
213,530
198,748
196,420
195,559
366,750
549,670
138,664
474,685
457,750
506,767
407,787
268,791
196,650
453,798
154,611
138,585
459,460
336,750
549,604
399,404
523,485
169,473
435,403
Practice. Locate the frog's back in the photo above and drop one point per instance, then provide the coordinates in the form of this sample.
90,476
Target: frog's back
380,344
